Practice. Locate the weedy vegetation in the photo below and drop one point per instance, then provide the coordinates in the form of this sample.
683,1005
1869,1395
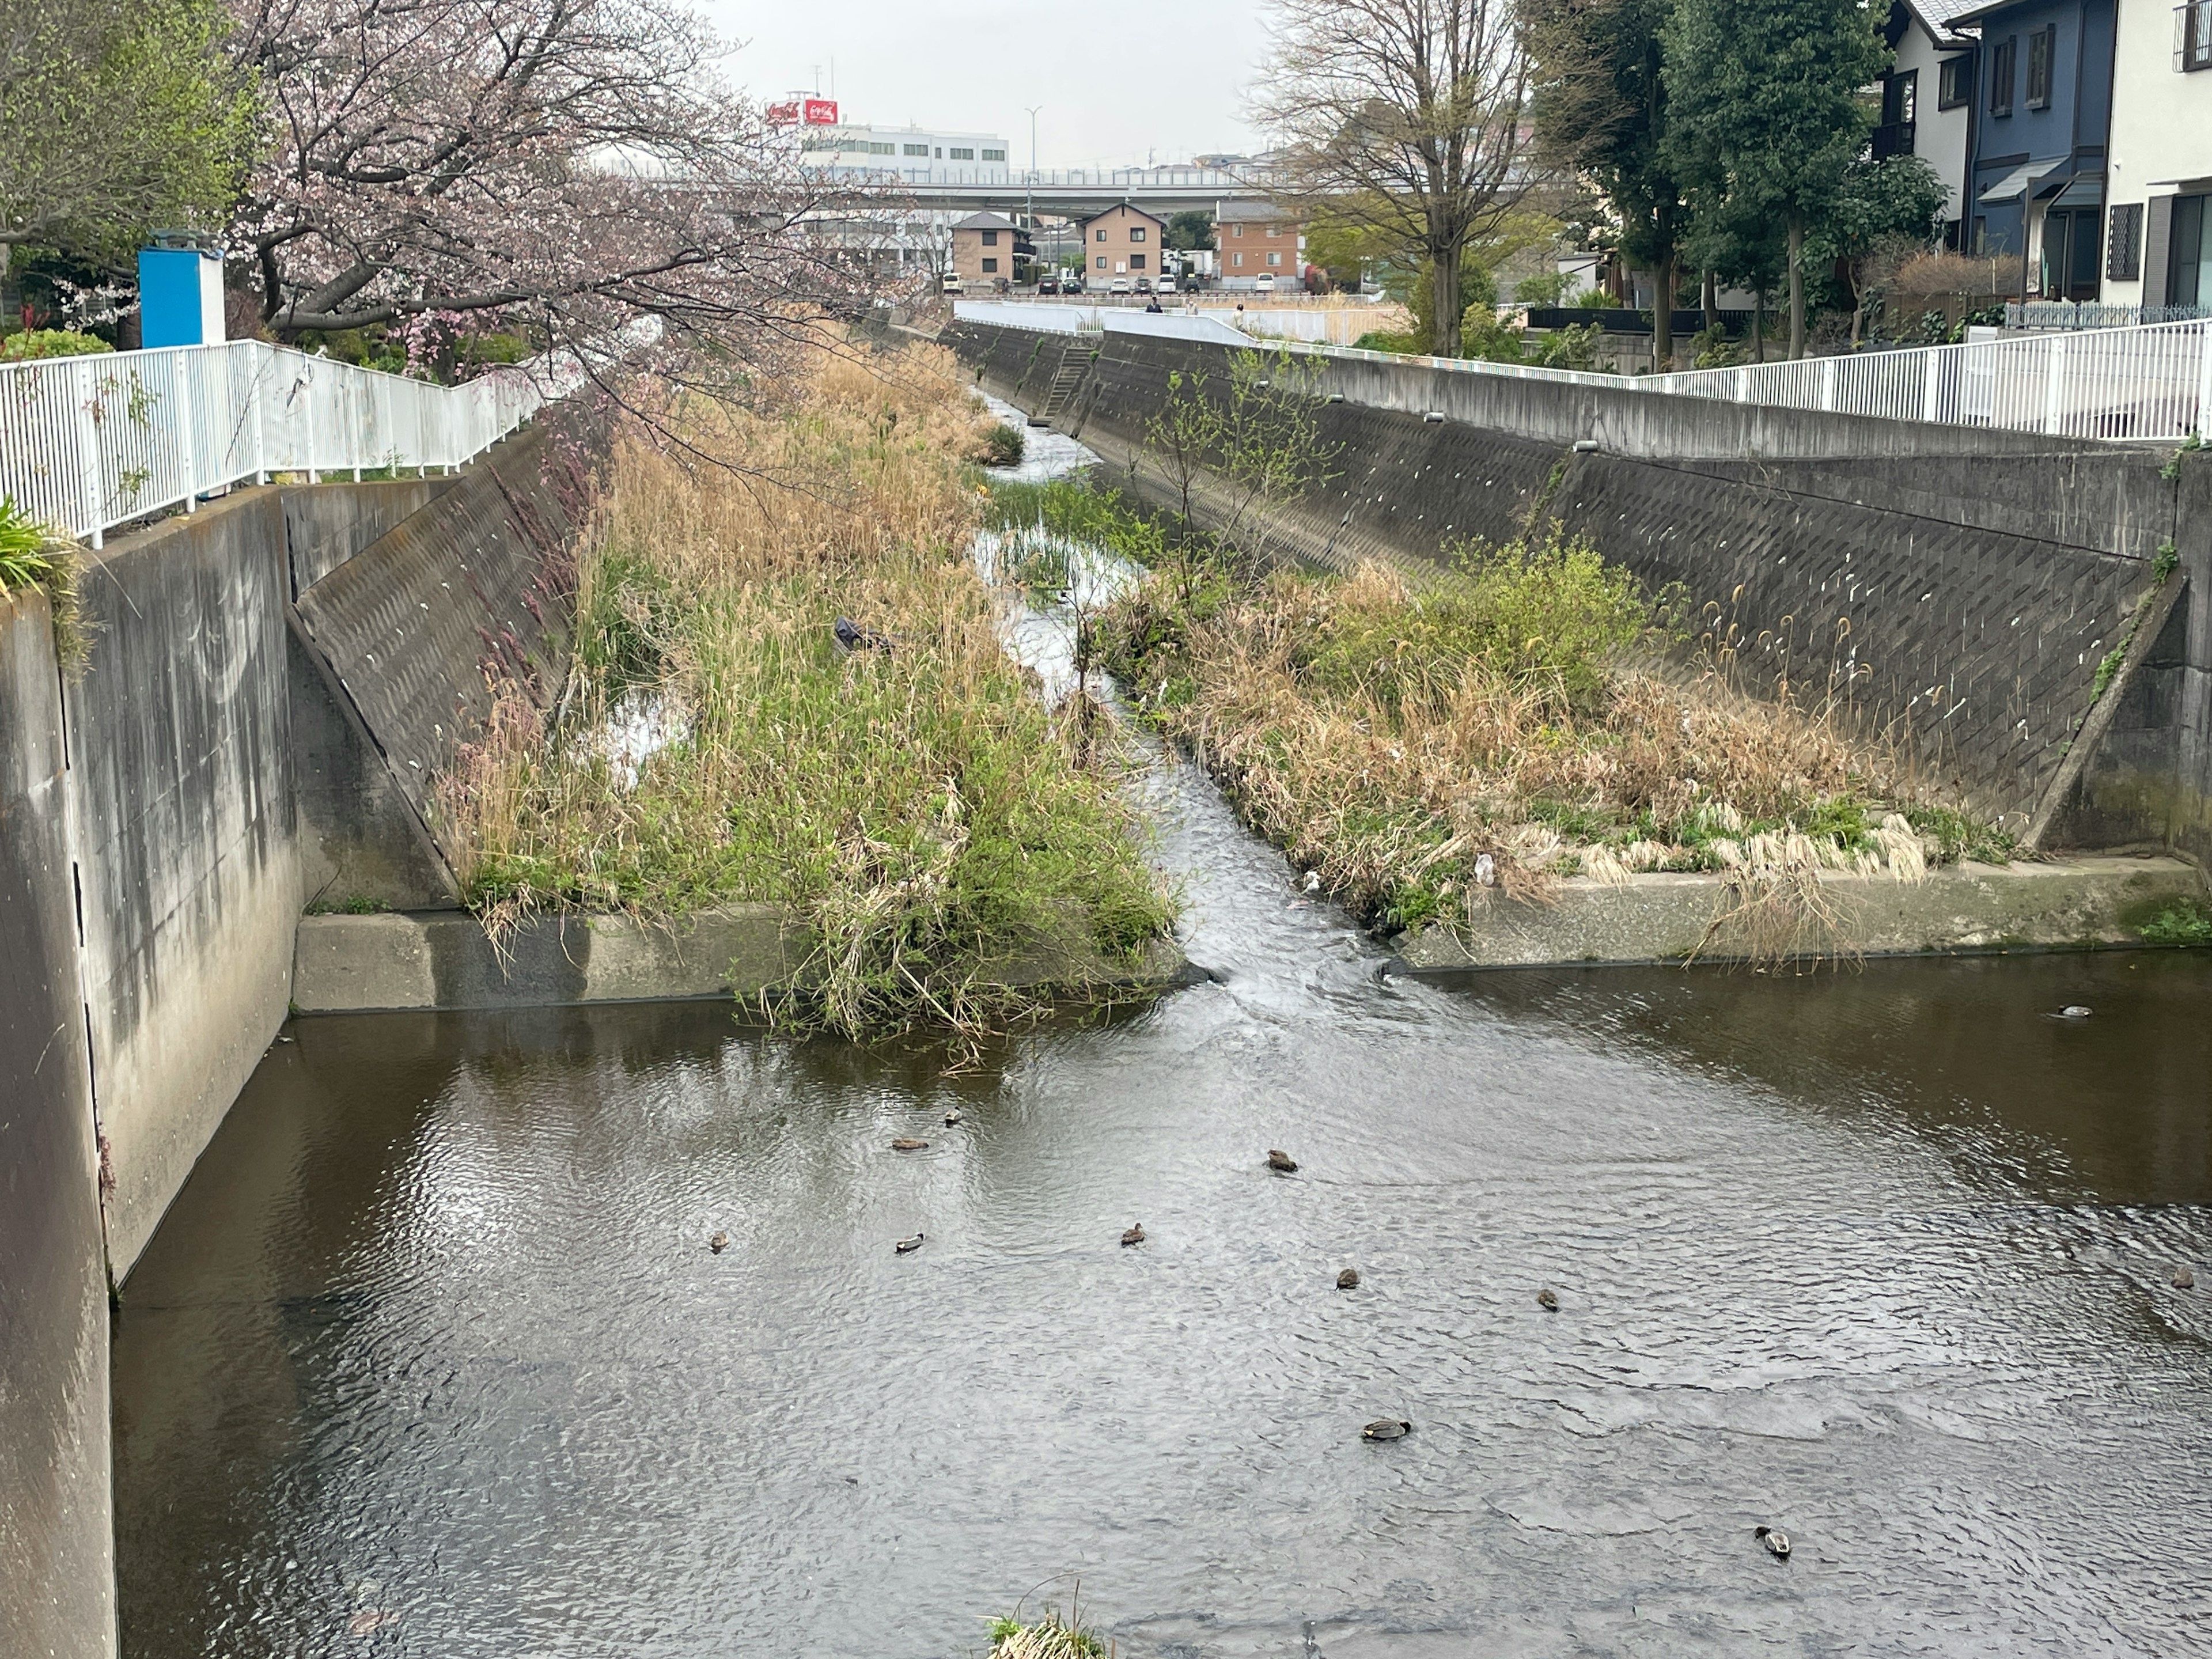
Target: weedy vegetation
33,555
910,797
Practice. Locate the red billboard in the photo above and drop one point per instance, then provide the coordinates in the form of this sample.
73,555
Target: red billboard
807,111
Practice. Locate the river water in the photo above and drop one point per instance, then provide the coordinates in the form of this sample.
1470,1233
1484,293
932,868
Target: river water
431,1356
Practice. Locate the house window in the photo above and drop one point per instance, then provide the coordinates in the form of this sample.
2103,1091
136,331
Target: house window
1955,83
1236,230
2001,69
990,267
1274,230
995,155
2042,47
1136,232
2124,245
921,151
1102,258
1102,235
1136,262
1274,258
990,239
1901,94
2192,36
960,155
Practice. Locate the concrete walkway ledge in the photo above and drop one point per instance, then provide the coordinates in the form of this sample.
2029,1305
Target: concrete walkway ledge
443,959
2069,903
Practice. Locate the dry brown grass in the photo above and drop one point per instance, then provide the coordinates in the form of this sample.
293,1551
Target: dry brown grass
914,802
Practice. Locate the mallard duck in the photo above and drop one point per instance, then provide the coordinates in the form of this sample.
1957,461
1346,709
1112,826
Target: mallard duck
1387,1428
1348,1280
953,1117
1134,1236
909,1246
1777,1543
1281,1162
2073,1010
1548,1300
908,1144
718,1242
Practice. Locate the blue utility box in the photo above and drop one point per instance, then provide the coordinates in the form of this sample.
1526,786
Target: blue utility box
179,297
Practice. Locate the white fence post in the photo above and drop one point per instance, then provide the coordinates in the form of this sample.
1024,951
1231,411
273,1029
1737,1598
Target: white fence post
257,388
1931,392
2203,423
92,488
2054,391
188,455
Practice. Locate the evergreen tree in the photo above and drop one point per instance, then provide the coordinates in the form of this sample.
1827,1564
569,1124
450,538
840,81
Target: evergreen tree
1766,113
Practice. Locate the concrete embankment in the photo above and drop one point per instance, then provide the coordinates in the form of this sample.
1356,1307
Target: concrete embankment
1969,587
2067,904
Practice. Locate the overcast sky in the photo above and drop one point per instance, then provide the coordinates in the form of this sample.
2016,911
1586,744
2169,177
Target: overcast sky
1163,77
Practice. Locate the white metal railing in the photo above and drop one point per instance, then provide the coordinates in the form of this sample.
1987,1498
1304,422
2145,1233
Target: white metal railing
2152,382
2149,382
87,443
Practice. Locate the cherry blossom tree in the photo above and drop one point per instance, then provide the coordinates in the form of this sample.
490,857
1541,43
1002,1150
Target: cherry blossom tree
568,167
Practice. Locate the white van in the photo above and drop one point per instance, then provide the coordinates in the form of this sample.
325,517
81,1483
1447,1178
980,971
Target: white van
953,285
1267,282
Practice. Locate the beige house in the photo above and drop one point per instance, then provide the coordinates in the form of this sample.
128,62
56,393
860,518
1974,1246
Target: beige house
983,249
1121,242
1258,239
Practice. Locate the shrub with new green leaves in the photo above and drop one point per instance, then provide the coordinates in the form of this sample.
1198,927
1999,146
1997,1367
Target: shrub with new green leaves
36,342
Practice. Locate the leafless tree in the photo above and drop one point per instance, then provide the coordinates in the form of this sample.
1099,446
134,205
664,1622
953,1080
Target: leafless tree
1408,116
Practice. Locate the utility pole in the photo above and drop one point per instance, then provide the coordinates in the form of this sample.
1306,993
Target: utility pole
1029,195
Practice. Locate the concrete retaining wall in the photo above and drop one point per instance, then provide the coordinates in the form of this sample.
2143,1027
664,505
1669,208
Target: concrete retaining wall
57,1572
1964,583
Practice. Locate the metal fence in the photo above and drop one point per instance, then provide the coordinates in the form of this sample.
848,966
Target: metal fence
87,443
2152,382
2146,383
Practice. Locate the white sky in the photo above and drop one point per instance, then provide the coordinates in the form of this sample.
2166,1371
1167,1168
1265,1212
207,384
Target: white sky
1117,82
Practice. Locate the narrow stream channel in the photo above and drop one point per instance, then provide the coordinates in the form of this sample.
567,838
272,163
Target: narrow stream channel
431,1358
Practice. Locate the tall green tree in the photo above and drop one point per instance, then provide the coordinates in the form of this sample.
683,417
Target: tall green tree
1601,110
116,118
1191,228
1765,111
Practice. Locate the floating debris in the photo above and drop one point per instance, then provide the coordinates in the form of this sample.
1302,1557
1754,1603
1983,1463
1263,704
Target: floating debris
908,1144
1387,1428
1281,1162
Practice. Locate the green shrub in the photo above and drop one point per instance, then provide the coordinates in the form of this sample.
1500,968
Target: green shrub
1591,299
1483,334
2182,922
32,556
1543,290
1572,347
1002,446
50,343
1382,339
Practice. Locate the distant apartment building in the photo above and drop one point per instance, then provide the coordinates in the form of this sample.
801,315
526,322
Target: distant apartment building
1121,242
984,246
1256,238
912,155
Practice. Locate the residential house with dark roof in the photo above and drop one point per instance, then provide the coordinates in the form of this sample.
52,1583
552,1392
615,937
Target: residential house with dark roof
983,249
1927,98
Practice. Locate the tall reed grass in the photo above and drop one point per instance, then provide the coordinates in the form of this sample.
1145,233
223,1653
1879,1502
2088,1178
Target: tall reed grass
912,799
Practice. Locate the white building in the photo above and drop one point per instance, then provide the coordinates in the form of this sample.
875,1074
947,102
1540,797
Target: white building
911,156
1928,98
2158,249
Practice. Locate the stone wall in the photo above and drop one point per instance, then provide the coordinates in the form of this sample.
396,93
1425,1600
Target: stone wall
57,1573
1965,584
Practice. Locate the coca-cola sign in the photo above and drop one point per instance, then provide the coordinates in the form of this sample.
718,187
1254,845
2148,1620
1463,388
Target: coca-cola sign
804,111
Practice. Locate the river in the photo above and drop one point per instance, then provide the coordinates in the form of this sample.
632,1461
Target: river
431,1355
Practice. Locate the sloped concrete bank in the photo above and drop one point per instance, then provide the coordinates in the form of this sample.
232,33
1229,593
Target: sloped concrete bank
1968,585
2068,904
441,960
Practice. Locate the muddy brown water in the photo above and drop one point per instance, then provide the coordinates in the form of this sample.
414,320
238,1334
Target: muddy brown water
431,1356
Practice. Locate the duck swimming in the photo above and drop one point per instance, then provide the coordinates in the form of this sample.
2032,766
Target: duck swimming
909,1246
1777,1543
1387,1428
718,1242
1134,1236
1281,1162
1548,1300
953,1117
1348,1280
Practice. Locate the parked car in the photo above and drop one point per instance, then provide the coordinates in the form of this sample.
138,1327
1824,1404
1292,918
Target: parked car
953,285
1267,282
1119,285
1048,284
1143,285
1167,285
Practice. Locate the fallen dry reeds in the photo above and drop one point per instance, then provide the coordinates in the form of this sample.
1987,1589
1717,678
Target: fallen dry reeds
1505,729
911,798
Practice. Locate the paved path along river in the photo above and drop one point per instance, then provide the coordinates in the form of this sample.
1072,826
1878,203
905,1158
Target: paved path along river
432,1357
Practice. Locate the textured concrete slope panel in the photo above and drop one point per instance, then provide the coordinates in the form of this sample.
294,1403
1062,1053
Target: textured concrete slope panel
325,525
179,745
1980,648
471,591
57,1572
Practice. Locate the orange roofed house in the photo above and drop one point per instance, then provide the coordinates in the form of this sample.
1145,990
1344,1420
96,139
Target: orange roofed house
1121,242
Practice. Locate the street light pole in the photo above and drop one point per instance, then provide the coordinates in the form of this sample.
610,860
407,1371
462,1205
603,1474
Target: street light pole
1029,195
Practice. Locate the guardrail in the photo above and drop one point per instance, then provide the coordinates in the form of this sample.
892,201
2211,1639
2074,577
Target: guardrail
88,443
2149,383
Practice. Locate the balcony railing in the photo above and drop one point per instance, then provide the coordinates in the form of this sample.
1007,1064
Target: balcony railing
2192,36
1893,138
